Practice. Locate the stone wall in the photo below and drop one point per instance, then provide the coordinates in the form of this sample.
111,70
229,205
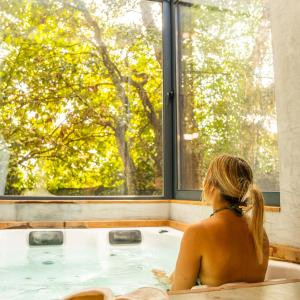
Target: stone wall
26,212
285,19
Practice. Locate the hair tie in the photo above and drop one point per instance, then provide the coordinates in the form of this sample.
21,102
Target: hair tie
235,201
230,199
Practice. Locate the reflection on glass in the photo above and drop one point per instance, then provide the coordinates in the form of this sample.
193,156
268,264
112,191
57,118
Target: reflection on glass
81,86
226,89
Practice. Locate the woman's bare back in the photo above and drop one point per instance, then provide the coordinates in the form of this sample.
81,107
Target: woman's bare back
219,250
228,252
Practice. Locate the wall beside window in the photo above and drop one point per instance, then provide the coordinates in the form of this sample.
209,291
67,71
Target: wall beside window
286,36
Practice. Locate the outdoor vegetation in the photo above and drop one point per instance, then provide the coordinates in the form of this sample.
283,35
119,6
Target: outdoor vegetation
81,85
226,101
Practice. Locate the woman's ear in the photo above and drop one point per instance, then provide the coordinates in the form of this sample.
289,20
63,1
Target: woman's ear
215,195
215,192
208,191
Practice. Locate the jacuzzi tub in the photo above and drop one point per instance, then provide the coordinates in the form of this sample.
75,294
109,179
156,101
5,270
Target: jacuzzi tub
86,259
282,270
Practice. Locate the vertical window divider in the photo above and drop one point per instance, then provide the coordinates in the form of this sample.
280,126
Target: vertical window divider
168,101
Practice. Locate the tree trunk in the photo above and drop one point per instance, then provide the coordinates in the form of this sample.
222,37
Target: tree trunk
122,122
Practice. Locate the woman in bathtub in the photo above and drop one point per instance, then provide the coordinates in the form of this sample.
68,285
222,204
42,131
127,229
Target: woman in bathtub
230,246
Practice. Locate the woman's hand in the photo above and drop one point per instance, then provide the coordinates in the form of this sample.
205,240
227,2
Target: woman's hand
162,276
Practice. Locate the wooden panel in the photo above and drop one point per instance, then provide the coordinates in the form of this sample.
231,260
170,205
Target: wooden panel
285,253
13,225
85,224
116,223
178,225
24,225
46,224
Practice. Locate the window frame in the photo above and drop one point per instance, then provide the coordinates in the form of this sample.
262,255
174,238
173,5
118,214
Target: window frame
271,198
169,127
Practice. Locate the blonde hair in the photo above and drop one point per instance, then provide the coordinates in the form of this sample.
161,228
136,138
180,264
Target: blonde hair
233,177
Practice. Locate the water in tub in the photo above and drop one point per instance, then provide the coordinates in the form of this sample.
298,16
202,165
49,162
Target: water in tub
85,260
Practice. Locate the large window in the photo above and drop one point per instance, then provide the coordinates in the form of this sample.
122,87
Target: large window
225,89
86,95
81,97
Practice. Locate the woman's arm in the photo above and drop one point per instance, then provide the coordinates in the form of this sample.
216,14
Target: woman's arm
188,261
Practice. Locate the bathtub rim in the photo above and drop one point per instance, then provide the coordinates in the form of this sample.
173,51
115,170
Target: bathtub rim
277,251
173,232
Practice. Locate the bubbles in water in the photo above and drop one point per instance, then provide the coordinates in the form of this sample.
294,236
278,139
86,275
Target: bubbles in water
48,262
47,276
51,278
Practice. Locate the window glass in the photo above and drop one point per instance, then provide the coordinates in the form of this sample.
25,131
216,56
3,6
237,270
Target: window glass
81,97
226,100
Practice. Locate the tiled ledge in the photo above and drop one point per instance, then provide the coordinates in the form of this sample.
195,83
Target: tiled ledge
243,286
281,252
123,201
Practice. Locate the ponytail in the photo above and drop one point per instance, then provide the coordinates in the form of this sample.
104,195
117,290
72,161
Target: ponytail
256,223
233,177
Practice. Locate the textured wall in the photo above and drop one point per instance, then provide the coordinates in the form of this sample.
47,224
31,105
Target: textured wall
285,18
275,225
83,212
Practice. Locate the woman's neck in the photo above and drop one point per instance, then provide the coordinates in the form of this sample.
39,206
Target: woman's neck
227,207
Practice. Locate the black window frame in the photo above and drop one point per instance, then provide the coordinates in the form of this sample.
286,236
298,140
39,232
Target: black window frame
271,198
170,117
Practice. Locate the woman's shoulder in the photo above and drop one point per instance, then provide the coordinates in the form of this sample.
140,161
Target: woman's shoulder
199,227
204,228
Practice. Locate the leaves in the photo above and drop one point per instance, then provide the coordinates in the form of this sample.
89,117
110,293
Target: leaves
228,88
60,108
81,94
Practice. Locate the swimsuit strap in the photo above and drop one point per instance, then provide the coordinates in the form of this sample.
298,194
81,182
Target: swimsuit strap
234,208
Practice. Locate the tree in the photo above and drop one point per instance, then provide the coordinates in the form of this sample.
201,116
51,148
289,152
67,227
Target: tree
81,94
227,90
85,83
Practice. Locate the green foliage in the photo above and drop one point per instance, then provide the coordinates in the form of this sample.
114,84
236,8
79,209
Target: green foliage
81,94
60,107
229,87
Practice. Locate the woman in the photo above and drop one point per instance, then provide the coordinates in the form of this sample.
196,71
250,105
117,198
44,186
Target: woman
229,246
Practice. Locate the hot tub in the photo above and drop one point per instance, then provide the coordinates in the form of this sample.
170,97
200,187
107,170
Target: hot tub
282,270
86,259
